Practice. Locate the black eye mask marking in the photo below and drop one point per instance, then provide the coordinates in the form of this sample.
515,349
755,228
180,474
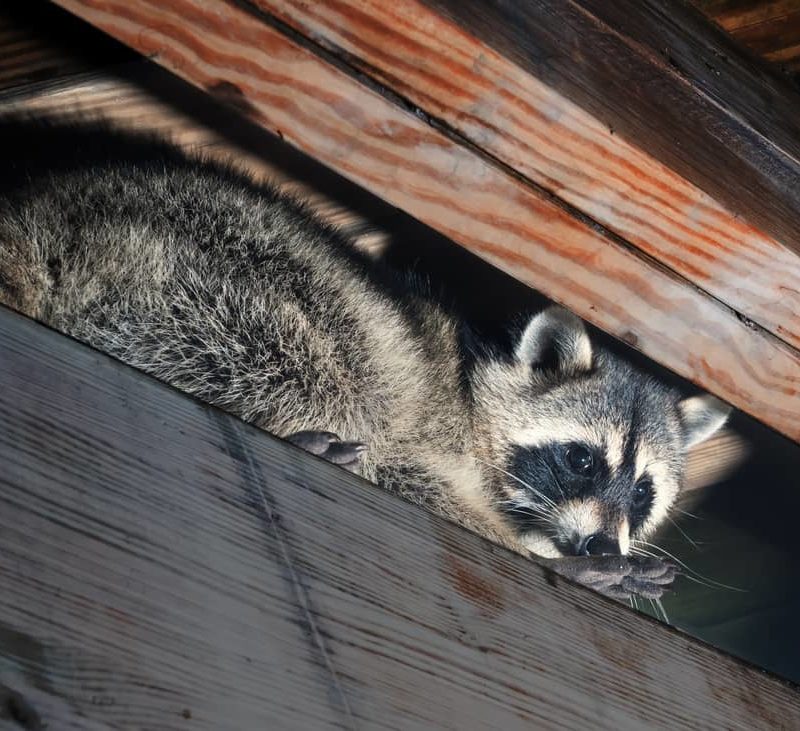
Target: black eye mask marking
580,460
558,472
642,497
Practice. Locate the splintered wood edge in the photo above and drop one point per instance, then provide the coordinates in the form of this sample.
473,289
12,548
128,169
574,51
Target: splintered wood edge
322,110
162,562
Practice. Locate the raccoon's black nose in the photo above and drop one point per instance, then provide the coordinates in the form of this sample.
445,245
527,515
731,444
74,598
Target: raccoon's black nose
599,545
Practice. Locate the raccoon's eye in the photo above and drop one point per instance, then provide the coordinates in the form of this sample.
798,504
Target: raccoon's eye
642,491
580,460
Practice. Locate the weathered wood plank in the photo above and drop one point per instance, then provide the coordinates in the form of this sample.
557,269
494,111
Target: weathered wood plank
164,566
506,111
769,28
385,148
668,79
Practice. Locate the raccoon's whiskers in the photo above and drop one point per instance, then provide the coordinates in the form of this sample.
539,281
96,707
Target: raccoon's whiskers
697,577
541,517
687,513
546,500
511,504
658,608
555,479
683,533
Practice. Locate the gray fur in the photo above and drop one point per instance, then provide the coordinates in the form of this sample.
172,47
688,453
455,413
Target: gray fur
237,295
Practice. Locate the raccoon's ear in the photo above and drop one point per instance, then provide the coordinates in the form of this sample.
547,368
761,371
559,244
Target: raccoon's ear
702,417
556,340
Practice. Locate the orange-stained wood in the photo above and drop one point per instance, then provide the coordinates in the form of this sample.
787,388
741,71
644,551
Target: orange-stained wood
324,111
662,75
512,115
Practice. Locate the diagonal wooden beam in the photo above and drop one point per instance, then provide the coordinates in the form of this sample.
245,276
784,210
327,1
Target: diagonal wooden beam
163,565
505,110
667,78
364,132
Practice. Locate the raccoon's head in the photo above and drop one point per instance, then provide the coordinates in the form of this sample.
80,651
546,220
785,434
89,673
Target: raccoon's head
582,453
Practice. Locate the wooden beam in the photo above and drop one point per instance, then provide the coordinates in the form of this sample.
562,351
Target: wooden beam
668,79
351,126
769,28
163,565
500,107
41,55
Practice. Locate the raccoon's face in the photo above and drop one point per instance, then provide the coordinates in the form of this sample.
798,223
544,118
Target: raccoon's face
582,453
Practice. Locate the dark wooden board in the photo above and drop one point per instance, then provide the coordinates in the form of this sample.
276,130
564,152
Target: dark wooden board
769,28
163,565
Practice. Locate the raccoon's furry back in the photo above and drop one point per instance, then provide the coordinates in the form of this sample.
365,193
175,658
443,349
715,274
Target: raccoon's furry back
238,295
225,289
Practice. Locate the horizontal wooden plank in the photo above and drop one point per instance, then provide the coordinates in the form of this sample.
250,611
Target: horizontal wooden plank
163,565
666,78
512,115
389,150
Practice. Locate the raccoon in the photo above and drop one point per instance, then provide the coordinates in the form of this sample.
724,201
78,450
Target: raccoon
235,293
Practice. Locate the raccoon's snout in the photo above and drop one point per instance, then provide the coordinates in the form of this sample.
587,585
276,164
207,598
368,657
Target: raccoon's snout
596,544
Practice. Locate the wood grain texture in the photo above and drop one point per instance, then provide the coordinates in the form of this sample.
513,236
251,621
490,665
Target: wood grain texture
664,77
41,46
395,154
510,114
162,565
769,28
715,460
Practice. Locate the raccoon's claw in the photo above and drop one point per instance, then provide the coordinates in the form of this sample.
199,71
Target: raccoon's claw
649,577
600,573
327,445
618,577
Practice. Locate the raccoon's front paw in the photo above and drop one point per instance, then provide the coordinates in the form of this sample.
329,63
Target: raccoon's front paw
330,447
650,577
618,577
